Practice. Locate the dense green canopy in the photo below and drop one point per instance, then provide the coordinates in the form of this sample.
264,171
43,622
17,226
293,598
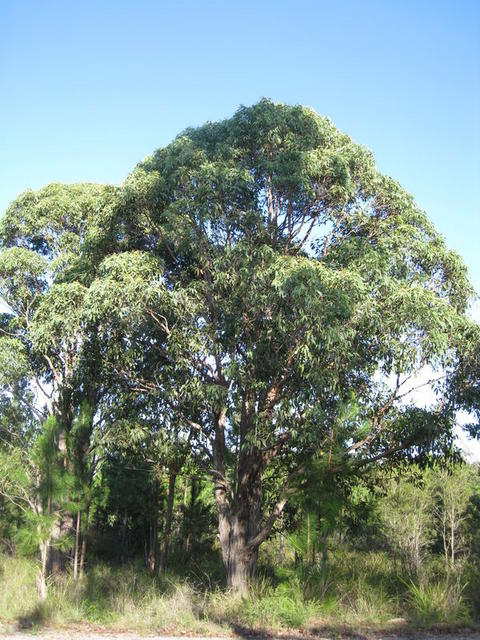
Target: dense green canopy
256,282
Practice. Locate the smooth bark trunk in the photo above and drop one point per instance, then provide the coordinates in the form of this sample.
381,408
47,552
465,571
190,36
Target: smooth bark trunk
42,577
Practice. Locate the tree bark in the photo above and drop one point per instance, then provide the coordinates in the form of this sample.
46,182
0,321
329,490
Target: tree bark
240,526
56,558
42,578
242,564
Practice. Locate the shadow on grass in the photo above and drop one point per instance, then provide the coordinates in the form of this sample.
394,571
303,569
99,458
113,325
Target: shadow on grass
406,629
36,617
395,629
327,631
246,632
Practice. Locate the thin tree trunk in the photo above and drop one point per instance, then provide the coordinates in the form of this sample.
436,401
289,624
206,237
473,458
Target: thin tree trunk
324,555
168,522
153,533
189,521
308,538
452,537
77,544
42,578
84,540
445,540
44,557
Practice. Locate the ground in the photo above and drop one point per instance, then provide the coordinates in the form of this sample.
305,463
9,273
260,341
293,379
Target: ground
86,634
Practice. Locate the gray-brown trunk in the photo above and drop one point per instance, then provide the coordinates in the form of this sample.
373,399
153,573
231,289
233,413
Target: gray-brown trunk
240,507
239,560
238,527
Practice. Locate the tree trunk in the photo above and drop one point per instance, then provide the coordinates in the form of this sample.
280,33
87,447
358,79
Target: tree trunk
452,537
240,510
42,577
84,539
64,526
153,534
324,555
55,557
445,539
77,545
242,561
239,524
308,538
188,521
168,522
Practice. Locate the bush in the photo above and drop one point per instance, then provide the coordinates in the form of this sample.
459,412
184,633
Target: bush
438,603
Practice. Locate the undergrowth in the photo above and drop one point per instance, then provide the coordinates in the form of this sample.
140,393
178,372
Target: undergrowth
357,590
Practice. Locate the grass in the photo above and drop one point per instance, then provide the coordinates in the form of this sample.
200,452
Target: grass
121,598
440,602
360,590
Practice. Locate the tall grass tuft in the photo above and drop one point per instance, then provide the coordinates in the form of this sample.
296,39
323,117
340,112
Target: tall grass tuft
439,602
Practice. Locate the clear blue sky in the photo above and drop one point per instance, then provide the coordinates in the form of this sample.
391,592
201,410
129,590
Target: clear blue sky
88,88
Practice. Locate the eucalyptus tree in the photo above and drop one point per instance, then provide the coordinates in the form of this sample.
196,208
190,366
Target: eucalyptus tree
49,348
279,277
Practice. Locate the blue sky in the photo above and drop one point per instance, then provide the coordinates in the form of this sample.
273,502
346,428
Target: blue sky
89,88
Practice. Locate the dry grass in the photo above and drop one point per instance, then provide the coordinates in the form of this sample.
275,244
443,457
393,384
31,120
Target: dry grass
361,591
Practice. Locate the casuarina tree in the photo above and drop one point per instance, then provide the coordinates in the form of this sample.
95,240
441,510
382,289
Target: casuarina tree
49,350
